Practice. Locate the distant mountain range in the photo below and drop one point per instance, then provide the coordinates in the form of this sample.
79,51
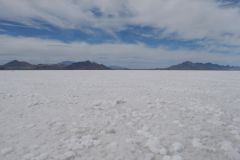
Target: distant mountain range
201,66
88,65
118,68
85,65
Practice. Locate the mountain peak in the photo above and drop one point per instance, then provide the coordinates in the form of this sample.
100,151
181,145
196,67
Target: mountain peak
87,65
188,65
16,62
16,65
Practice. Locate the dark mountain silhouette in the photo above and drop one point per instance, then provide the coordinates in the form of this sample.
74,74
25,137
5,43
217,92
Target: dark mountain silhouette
49,67
201,66
87,65
20,65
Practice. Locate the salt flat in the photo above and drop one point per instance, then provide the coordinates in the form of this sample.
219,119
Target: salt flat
119,115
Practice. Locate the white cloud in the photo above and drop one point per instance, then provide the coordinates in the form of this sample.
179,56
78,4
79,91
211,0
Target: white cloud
129,55
190,19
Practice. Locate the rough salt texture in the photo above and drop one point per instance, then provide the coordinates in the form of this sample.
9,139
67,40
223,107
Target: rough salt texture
119,115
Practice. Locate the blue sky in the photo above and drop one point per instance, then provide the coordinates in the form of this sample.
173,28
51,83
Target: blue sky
130,33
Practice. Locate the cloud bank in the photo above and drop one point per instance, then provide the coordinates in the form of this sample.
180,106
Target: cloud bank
186,18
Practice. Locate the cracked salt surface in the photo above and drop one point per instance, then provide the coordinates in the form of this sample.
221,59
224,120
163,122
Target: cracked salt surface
106,115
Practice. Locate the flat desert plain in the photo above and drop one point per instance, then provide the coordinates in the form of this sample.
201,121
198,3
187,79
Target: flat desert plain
119,115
